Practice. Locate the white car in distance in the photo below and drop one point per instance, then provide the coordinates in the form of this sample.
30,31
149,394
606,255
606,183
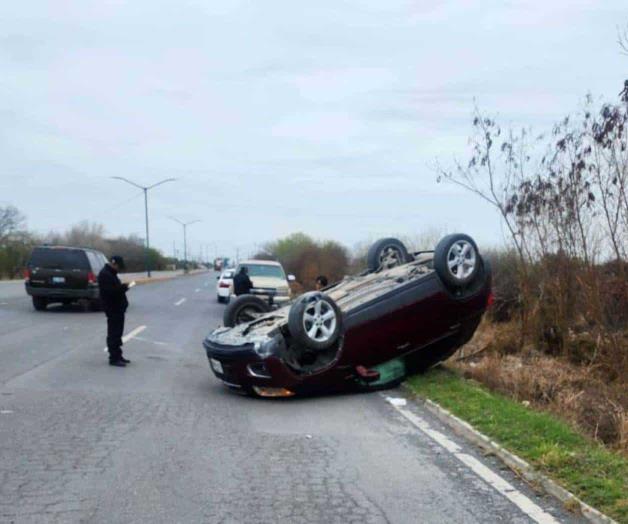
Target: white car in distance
224,285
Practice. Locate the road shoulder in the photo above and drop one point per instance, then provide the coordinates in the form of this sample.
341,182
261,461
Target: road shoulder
509,430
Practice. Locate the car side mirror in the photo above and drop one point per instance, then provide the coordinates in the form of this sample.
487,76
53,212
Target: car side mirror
218,277
291,278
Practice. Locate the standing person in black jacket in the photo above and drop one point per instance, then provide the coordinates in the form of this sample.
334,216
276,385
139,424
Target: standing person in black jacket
114,302
241,282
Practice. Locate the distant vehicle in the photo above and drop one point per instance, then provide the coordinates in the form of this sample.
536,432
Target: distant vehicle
64,274
223,286
404,314
218,264
269,280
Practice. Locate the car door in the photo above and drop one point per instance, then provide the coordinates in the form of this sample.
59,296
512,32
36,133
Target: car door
396,323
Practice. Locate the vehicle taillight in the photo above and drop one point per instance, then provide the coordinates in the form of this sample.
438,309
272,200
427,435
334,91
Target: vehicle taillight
490,300
224,284
27,274
91,278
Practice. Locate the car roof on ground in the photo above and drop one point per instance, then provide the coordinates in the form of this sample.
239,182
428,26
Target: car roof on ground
260,262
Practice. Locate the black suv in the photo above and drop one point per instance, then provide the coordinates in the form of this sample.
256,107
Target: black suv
64,274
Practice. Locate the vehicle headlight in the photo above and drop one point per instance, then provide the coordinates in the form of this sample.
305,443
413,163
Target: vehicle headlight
268,346
283,291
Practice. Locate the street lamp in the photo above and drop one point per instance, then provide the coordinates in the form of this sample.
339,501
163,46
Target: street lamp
185,242
145,189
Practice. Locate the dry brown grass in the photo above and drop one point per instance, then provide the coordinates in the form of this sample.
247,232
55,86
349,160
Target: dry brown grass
584,394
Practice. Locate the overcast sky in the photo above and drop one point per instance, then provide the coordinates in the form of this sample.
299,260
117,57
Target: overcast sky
279,116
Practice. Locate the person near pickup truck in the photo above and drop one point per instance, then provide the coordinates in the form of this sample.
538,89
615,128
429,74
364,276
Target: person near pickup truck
114,304
321,282
241,282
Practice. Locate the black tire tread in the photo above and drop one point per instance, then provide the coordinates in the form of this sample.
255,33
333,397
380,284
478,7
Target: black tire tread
372,257
231,311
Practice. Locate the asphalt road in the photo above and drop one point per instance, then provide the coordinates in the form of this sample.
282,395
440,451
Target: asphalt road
163,441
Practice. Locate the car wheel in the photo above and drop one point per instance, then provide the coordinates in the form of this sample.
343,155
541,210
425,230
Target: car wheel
315,321
39,303
244,308
219,299
457,260
387,253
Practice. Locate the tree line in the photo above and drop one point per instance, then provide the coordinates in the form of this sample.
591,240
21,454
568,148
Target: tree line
17,242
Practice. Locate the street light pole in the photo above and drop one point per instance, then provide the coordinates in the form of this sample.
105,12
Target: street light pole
185,240
145,189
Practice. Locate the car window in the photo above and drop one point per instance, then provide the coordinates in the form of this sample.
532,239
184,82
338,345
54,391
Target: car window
93,261
96,260
263,270
59,258
227,274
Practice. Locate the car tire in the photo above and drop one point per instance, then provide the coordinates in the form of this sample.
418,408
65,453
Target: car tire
315,321
387,253
39,303
219,299
457,260
244,309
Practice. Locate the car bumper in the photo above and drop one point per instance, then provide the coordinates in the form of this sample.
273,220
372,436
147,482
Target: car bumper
276,299
62,294
241,368
223,292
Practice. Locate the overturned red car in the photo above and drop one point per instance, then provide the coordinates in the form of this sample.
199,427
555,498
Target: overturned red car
404,314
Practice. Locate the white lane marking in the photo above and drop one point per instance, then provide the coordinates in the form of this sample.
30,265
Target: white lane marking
156,342
520,500
6,412
130,335
180,302
197,290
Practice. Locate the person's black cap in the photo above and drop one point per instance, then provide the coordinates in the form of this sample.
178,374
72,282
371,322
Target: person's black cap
118,261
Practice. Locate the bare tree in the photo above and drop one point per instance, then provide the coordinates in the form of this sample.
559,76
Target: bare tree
494,172
11,222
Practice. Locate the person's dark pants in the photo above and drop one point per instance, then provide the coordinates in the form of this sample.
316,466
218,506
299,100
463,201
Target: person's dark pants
115,328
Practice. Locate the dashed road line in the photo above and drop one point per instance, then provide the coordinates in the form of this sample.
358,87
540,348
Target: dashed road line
156,342
179,302
130,335
197,290
500,485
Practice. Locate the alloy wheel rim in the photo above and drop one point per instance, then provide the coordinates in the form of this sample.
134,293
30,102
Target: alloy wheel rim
461,259
319,321
390,257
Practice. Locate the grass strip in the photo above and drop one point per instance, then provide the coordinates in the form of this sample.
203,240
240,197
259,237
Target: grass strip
591,472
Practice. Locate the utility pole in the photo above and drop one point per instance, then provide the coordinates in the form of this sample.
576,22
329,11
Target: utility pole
185,240
145,189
